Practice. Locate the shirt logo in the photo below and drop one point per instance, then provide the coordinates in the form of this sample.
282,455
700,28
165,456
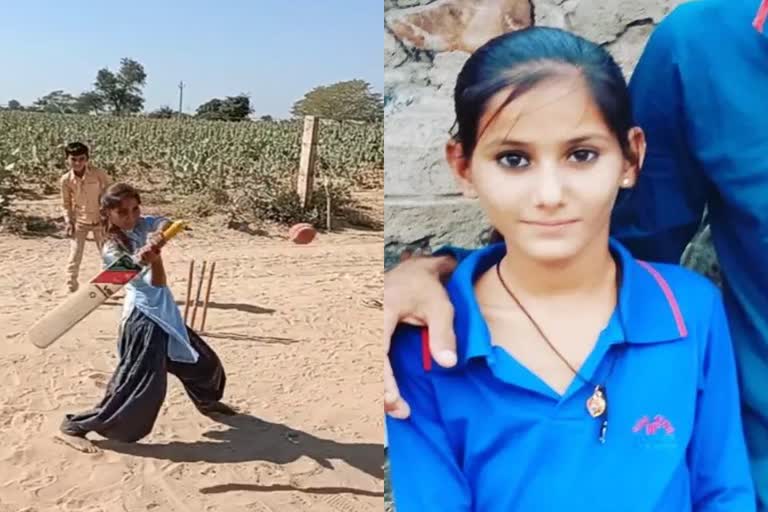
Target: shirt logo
651,427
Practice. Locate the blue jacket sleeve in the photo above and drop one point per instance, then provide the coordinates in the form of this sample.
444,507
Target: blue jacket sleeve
424,469
717,454
659,216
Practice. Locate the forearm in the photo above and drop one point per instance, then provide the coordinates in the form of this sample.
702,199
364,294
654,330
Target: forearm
66,207
158,273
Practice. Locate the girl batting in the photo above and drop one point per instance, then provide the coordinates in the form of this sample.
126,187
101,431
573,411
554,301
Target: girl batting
153,338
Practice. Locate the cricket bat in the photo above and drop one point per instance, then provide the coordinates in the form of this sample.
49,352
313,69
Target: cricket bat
81,303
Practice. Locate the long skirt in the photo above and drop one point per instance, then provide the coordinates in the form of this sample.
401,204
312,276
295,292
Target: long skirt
137,389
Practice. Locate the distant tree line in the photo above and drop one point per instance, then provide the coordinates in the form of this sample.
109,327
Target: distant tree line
121,93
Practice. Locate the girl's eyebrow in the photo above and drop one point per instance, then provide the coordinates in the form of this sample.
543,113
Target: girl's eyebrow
589,136
575,140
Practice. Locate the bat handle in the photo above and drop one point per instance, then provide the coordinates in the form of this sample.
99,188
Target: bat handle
171,231
174,229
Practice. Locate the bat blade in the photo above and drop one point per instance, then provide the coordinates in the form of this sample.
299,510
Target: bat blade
80,304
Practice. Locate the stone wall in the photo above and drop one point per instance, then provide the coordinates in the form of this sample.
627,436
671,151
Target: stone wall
425,44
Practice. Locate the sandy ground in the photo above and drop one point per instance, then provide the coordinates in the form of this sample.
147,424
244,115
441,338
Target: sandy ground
298,337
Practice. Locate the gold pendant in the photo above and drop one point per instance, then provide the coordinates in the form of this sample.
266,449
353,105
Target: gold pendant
596,403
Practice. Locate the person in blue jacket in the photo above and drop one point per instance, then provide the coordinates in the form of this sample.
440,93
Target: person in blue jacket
584,379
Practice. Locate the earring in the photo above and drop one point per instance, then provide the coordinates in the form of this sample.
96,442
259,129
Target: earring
626,182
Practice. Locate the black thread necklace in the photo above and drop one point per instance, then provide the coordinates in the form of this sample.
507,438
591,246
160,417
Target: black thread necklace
597,403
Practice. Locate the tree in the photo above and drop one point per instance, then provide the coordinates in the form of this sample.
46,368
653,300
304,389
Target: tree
210,110
89,102
352,100
164,112
55,102
14,105
121,92
60,102
232,108
267,119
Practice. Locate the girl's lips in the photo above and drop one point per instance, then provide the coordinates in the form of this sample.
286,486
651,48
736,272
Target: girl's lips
550,223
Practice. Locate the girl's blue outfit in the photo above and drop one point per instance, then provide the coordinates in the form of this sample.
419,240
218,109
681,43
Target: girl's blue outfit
489,435
153,341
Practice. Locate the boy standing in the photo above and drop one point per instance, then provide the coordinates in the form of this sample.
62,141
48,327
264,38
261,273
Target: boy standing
81,188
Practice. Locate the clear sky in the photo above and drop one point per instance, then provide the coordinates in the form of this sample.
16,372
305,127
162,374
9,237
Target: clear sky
273,50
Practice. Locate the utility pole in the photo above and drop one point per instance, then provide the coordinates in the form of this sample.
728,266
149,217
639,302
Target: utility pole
181,97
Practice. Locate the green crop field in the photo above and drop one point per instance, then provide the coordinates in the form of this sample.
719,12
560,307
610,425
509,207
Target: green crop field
253,164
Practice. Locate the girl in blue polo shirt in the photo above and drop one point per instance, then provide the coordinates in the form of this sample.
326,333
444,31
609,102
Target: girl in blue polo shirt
586,380
153,339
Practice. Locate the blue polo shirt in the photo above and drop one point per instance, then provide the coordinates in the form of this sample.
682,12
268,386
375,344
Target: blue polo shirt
489,435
